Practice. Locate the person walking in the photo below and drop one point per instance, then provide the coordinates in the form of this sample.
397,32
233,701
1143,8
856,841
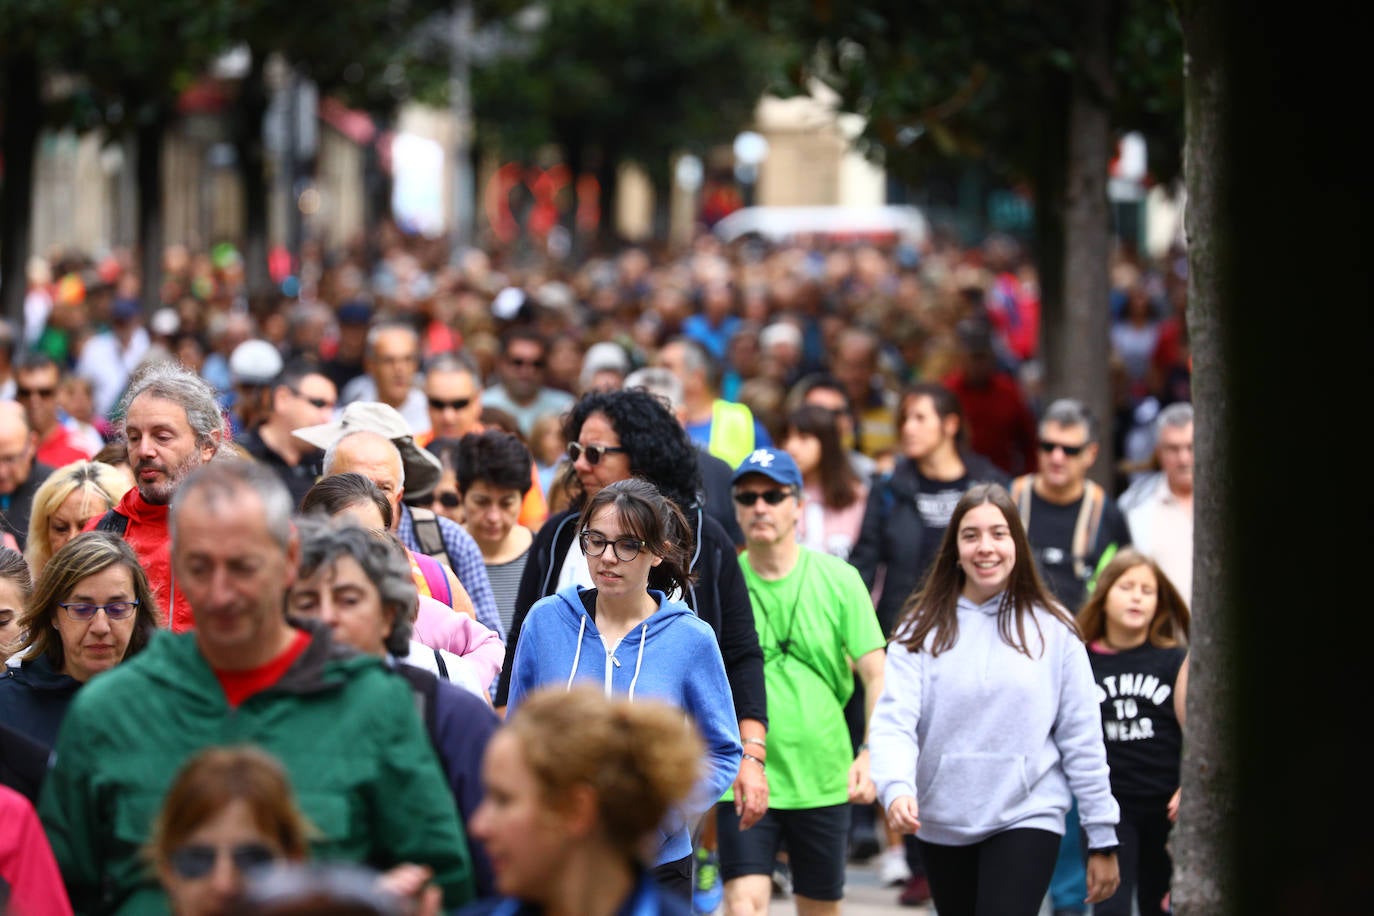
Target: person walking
1136,626
987,727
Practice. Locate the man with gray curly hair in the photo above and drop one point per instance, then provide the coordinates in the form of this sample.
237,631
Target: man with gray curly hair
173,425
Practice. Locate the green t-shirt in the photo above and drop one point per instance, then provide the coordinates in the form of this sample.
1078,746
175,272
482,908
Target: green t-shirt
822,615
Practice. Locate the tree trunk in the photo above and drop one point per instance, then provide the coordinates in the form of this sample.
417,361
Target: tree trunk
1202,861
252,159
1076,357
608,177
22,116
151,224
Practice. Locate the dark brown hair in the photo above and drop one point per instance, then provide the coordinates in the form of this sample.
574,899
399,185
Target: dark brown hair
933,607
839,484
654,519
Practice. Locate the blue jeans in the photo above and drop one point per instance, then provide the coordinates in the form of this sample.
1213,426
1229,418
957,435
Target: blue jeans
1069,885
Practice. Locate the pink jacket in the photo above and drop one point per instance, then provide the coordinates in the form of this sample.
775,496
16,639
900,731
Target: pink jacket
441,627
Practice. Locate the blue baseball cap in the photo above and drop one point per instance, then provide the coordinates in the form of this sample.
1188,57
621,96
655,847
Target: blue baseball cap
773,463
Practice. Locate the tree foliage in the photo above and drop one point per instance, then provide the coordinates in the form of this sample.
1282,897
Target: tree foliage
969,82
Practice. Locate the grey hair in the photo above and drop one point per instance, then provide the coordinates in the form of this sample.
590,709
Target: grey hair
331,454
382,560
224,481
1071,412
453,362
393,324
1176,415
659,382
174,382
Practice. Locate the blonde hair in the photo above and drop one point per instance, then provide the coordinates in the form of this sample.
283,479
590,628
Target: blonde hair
102,485
642,758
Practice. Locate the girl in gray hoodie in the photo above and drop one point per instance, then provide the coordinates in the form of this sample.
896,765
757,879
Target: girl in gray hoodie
988,724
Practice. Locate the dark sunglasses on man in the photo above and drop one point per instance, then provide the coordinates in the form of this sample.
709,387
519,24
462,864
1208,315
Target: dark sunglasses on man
1073,451
747,498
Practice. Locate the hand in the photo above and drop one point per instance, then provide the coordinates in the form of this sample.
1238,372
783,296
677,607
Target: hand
1173,805
903,815
1104,877
862,791
411,882
751,793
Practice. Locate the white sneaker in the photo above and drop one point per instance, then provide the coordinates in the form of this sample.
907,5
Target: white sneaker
892,867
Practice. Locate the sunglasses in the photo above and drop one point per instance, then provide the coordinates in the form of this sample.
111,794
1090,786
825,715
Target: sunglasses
115,610
448,499
593,452
526,363
747,498
625,549
23,394
319,403
1073,451
197,861
440,404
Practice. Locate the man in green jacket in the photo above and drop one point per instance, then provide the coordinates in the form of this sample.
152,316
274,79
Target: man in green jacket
343,725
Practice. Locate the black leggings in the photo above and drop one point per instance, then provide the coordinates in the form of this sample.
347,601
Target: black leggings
1007,874
1145,863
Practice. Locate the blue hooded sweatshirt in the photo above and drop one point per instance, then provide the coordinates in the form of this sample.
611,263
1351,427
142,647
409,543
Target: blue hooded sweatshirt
671,656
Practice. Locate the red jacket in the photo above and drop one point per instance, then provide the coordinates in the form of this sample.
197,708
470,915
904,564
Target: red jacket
1000,426
144,526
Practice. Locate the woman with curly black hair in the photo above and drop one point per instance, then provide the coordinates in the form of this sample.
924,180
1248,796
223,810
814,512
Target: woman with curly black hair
614,435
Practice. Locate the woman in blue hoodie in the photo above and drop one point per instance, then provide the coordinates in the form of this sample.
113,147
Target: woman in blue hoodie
988,724
625,635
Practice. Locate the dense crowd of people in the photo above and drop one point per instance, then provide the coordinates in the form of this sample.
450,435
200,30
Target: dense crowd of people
294,583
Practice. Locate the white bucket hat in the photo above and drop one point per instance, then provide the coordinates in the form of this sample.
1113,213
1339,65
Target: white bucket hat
422,469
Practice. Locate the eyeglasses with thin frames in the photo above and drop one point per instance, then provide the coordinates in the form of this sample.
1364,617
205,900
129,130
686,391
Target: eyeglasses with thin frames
625,549
115,610
593,452
747,498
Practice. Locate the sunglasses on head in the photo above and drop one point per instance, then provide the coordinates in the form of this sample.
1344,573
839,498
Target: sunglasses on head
440,404
772,497
593,452
448,499
198,860
1072,451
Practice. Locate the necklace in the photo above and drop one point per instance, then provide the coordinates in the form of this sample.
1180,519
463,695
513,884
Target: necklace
784,643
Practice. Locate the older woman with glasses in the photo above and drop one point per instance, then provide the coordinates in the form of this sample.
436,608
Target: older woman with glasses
625,634
91,609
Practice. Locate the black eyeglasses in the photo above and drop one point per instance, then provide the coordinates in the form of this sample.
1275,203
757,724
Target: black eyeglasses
198,860
772,497
115,610
320,403
1072,451
594,545
440,404
448,499
594,452
23,394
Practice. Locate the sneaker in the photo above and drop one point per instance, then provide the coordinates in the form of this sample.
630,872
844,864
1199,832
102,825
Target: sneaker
707,891
782,879
892,867
916,892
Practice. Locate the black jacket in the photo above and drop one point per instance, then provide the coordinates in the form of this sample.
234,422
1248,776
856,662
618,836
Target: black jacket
890,539
718,596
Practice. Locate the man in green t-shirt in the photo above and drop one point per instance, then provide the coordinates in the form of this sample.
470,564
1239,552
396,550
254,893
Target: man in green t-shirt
816,626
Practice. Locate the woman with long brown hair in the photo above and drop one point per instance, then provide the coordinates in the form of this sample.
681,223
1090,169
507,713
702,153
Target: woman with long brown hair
987,727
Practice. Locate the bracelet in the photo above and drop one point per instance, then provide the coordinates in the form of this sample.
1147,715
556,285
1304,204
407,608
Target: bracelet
762,765
862,747
759,741
1104,851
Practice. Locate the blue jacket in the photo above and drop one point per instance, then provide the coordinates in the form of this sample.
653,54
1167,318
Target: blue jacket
672,656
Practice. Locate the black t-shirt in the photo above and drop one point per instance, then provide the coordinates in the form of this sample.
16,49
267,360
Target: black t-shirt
935,502
1051,539
1142,732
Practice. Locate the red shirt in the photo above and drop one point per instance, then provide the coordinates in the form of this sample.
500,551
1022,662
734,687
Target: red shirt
1000,425
57,448
240,685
